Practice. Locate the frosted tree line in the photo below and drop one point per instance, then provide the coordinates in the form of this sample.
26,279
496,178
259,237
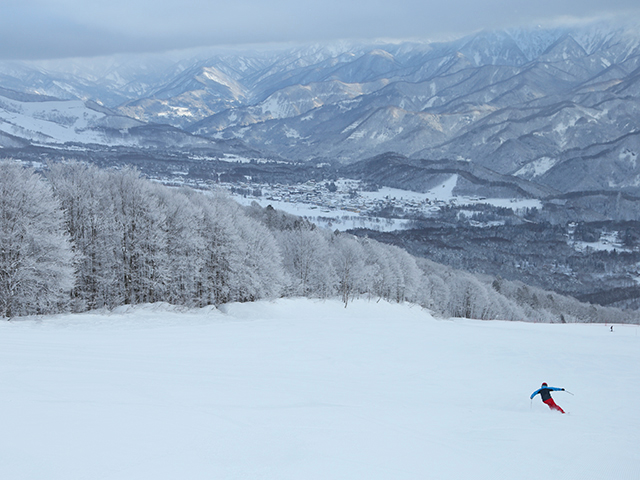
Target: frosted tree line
36,260
79,238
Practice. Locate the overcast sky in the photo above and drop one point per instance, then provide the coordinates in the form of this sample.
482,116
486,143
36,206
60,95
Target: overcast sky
63,28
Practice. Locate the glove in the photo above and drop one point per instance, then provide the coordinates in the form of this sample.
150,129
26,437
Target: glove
562,389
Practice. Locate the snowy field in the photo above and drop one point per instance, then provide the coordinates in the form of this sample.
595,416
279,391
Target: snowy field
444,193
337,212
299,389
343,216
336,218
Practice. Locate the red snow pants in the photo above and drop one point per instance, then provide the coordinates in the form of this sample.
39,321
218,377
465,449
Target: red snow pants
553,406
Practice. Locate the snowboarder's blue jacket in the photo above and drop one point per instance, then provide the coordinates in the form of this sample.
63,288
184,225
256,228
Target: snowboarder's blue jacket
544,392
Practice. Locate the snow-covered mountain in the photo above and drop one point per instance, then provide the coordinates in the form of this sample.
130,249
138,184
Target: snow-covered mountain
27,119
535,103
59,121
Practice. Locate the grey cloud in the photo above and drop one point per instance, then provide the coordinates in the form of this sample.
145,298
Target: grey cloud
63,28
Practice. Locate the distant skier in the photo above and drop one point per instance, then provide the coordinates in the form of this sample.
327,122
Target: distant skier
545,394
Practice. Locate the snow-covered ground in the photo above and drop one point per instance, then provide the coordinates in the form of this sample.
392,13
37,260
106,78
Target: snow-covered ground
334,218
300,389
339,210
608,242
50,122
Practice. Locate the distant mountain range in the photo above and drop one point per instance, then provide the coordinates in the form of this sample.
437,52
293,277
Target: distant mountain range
559,107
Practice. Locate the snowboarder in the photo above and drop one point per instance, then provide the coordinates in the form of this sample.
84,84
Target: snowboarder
545,394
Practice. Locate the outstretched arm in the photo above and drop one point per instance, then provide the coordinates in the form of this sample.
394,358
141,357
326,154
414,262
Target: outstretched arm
535,393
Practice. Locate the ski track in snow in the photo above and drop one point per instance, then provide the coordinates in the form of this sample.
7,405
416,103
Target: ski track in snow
302,389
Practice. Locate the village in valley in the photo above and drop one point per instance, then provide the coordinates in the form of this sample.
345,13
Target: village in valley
348,203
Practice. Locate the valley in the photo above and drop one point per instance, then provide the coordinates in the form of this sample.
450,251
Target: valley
507,153
586,245
511,238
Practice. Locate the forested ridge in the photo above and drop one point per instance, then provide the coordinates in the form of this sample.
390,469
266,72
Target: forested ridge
78,238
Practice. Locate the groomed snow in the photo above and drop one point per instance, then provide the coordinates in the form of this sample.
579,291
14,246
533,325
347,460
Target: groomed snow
300,389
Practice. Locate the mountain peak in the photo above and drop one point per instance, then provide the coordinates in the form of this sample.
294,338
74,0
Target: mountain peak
501,99
565,48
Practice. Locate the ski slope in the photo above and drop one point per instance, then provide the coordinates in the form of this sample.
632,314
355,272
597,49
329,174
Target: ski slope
305,390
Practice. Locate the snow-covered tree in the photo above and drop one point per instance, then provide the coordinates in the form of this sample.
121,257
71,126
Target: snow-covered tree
184,246
137,241
139,222
305,256
259,273
89,219
349,263
36,261
219,251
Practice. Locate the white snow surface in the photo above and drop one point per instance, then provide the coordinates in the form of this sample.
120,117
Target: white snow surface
302,389
444,193
336,218
536,168
59,122
344,214
55,121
